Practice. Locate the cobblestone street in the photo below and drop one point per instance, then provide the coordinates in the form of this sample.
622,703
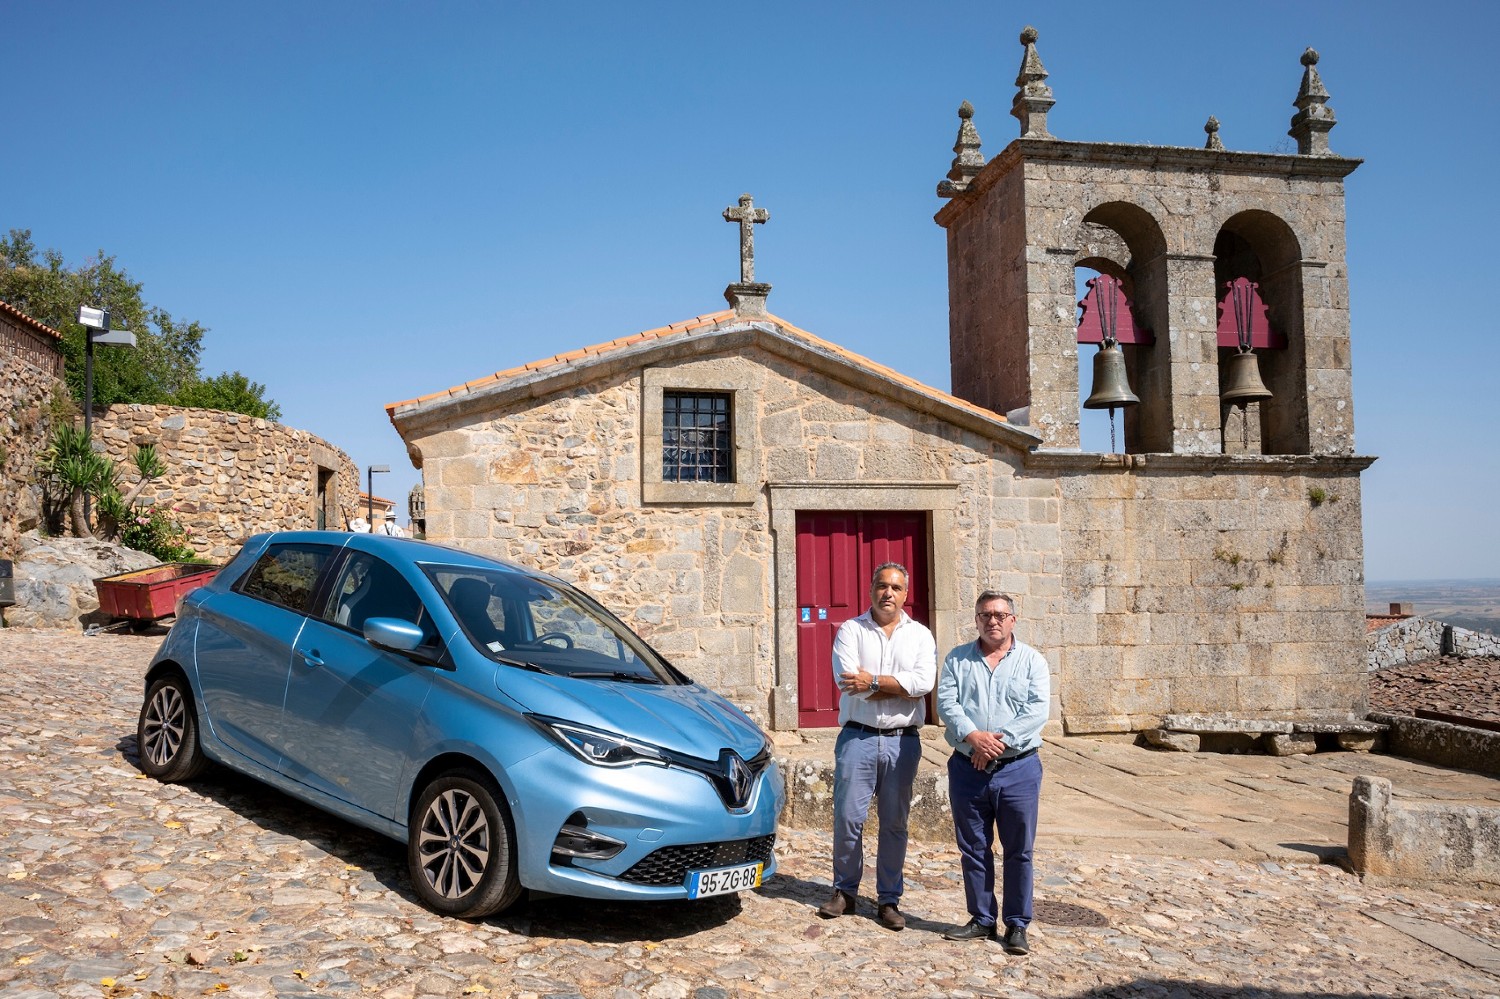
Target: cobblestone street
114,885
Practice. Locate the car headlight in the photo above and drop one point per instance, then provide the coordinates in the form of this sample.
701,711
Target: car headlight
603,749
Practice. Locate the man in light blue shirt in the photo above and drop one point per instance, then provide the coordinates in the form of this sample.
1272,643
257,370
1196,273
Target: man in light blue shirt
993,698
885,664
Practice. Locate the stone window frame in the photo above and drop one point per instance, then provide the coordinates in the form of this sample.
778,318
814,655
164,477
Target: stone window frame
737,384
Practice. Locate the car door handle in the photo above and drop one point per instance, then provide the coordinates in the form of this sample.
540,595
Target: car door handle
311,658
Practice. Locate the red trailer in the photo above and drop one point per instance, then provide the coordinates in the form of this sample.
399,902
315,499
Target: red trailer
145,595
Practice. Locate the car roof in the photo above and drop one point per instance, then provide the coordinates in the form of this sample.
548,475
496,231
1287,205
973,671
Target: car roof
399,549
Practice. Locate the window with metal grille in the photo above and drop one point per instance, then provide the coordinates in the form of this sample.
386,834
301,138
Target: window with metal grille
697,437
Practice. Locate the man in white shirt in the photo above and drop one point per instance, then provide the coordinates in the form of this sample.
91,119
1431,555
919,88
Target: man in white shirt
885,664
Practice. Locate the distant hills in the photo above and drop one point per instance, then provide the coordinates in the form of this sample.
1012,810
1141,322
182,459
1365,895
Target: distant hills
1465,603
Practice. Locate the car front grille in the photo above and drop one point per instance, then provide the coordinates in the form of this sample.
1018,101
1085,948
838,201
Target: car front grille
670,864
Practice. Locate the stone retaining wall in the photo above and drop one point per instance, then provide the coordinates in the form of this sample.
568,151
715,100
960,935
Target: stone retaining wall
230,476
809,798
31,371
1441,743
1416,639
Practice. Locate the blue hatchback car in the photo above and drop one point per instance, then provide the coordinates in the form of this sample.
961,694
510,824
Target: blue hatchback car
502,724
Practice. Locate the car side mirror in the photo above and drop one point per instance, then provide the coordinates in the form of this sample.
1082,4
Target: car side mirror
393,633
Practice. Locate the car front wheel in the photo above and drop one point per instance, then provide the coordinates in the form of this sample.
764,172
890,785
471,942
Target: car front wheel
166,736
460,849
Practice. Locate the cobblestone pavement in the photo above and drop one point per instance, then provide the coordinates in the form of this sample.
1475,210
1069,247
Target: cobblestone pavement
114,885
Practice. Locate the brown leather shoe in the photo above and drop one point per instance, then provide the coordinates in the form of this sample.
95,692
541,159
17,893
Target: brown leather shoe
890,917
840,903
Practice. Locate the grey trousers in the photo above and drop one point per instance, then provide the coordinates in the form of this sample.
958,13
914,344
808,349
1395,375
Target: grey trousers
867,765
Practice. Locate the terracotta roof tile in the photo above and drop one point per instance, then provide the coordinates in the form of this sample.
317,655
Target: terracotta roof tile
34,324
890,373
1374,622
687,326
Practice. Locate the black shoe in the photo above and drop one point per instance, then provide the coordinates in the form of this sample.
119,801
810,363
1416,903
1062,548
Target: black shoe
840,903
890,917
972,930
1015,941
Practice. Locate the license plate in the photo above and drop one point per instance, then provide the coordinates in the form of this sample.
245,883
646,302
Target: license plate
723,880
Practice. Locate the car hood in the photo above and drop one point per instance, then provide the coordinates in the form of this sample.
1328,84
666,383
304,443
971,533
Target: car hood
687,719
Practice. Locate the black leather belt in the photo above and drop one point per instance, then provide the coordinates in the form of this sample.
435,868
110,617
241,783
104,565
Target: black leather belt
1001,762
905,730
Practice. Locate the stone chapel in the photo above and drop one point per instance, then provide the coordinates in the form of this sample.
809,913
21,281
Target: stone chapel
728,483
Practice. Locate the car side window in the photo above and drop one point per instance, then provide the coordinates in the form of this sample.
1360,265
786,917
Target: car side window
369,587
287,575
486,615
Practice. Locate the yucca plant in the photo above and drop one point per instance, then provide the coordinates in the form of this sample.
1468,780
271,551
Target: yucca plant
71,462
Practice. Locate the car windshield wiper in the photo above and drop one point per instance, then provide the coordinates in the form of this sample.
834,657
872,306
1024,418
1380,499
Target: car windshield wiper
522,664
615,675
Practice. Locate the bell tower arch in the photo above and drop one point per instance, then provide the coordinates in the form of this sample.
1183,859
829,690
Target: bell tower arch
1174,224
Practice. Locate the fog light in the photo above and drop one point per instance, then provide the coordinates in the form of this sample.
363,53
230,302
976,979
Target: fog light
579,841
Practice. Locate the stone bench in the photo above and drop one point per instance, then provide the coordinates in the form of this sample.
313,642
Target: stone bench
1187,734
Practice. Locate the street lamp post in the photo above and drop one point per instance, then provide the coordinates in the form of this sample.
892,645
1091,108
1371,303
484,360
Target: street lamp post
96,330
370,493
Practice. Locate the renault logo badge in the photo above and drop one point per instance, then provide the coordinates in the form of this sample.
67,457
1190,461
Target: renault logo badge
740,778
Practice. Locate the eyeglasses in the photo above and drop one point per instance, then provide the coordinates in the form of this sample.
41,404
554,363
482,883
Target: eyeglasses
993,615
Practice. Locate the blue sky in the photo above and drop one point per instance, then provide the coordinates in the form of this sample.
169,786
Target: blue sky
367,202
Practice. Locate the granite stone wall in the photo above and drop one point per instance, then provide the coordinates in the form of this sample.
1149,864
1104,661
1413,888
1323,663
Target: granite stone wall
230,476
1416,638
1197,585
31,371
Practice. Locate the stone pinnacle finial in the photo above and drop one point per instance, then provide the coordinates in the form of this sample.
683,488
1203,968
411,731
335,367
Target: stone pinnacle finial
1314,118
968,161
1212,128
1034,98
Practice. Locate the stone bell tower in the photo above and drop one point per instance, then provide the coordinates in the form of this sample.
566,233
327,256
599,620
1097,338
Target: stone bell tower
1175,227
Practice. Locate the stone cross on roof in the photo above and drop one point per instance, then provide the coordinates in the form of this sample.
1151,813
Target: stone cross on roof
747,215
748,297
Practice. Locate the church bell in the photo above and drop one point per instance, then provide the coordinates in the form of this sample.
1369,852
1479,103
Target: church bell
1243,384
1111,386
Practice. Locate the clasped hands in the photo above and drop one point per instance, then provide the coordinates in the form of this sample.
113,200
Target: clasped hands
856,683
987,748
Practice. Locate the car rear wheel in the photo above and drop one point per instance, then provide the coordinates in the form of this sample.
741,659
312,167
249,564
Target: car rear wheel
166,736
460,849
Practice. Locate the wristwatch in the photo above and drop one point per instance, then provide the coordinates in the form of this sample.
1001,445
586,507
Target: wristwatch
875,684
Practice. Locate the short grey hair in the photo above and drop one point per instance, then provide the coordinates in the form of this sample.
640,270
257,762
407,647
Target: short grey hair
988,595
882,567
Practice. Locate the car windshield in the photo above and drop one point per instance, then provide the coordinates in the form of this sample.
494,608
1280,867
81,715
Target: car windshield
532,623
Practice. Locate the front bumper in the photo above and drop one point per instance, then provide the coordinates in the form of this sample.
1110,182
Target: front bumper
670,822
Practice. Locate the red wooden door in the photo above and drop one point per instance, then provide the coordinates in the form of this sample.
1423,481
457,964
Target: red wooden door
837,553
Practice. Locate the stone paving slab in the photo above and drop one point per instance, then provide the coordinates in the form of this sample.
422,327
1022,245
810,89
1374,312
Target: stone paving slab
114,885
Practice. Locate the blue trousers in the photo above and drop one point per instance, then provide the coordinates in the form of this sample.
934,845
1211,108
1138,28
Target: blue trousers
1004,802
868,766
